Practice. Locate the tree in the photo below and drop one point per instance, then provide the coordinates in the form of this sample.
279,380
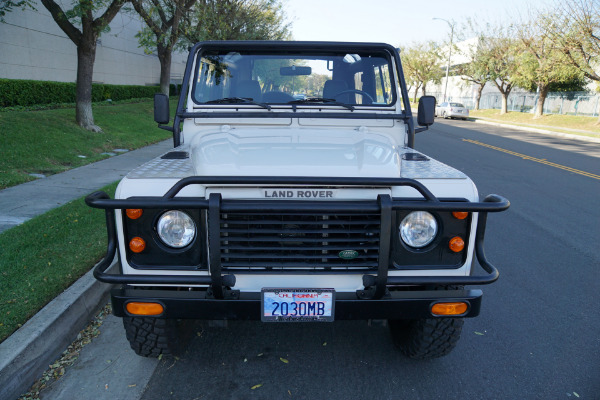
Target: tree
237,20
542,65
476,70
79,24
498,54
574,27
163,20
421,62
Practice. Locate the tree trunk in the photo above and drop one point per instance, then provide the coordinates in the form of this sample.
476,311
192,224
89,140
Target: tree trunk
416,93
504,108
539,107
165,56
478,99
86,54
423,90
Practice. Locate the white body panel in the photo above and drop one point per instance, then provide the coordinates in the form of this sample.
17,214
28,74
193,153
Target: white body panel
294,150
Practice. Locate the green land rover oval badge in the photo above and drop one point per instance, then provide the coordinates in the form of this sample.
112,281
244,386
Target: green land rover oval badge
348,254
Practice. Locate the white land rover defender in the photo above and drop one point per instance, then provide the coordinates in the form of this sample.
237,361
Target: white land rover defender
294,193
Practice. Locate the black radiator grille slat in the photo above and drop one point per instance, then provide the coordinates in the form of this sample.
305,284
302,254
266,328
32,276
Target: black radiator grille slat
299,248
291,239
299,241
302,231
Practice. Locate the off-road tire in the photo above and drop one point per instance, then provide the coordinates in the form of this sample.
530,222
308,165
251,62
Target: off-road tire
426,338
152,337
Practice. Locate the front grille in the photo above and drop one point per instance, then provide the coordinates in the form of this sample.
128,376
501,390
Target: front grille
299,241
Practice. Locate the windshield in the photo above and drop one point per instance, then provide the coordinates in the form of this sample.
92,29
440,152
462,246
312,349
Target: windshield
294,78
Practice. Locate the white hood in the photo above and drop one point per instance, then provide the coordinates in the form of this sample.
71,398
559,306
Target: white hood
295,152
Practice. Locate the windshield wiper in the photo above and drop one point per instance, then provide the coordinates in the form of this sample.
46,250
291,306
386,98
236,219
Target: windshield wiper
233,100
323,100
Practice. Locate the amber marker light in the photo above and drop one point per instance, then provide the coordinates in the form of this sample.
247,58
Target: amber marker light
457,244
460,214
137,244
457,308
134,213
143,308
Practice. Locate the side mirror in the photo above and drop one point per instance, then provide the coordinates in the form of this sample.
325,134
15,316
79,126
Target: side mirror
161,108
426,112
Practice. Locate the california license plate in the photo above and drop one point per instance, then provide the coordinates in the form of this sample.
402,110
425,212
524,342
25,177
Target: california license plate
297,305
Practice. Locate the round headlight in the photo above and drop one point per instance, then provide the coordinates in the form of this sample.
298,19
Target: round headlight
176,229
418,229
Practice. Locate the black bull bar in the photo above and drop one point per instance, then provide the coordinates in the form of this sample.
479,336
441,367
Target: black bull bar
375,285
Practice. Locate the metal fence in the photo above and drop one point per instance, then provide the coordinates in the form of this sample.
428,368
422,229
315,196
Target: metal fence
568,103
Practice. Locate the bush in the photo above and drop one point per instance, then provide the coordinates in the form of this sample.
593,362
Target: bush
16,92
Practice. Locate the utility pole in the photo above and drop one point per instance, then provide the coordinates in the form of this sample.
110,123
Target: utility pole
449,53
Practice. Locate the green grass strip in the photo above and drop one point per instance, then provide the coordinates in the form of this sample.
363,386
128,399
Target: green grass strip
49,141
553,122
45,255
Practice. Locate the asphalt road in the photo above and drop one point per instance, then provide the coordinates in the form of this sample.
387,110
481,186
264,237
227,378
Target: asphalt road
538,335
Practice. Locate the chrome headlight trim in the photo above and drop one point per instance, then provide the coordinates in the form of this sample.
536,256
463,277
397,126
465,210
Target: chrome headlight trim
176,229
418,229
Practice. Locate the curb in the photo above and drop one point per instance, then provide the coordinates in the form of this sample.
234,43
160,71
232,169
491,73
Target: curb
26,354
537,130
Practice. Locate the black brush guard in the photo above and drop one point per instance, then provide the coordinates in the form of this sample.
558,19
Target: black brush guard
375,285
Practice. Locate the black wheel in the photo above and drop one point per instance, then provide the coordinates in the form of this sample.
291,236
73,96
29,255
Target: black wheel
426,338
151,337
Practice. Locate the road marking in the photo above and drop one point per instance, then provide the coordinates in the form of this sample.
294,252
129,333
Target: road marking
538,160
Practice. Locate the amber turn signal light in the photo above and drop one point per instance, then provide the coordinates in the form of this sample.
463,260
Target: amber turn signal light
137,244
134,213
460,214
449,308
457,244
143,308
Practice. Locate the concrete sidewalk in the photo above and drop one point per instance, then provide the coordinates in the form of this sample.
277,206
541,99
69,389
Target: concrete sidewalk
23,202
25,355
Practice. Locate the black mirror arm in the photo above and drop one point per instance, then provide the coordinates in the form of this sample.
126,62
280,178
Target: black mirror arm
421,129
166,127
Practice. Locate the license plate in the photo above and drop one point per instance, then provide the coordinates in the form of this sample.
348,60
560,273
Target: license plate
297,305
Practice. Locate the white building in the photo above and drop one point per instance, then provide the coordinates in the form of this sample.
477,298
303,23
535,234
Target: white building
32,46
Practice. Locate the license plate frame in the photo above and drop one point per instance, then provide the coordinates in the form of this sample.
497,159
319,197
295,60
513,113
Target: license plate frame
303,311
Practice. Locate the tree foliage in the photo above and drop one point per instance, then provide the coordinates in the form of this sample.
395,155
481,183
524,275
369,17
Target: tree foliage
542,65
237,20
498,52
7,6
422,64
574,27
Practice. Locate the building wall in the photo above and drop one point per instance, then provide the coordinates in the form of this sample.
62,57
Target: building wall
32,46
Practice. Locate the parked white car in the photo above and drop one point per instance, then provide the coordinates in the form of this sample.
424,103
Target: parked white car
452,110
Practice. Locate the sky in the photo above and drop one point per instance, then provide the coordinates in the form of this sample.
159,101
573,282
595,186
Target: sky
397,22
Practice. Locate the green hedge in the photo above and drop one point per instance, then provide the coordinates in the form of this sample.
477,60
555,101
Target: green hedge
16,92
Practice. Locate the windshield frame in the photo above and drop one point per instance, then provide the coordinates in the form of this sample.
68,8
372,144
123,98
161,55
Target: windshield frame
297,50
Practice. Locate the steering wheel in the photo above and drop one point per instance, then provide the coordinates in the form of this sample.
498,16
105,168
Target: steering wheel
356,91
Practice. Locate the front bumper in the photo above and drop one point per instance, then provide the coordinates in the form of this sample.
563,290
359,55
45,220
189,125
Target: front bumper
247,306
379,298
